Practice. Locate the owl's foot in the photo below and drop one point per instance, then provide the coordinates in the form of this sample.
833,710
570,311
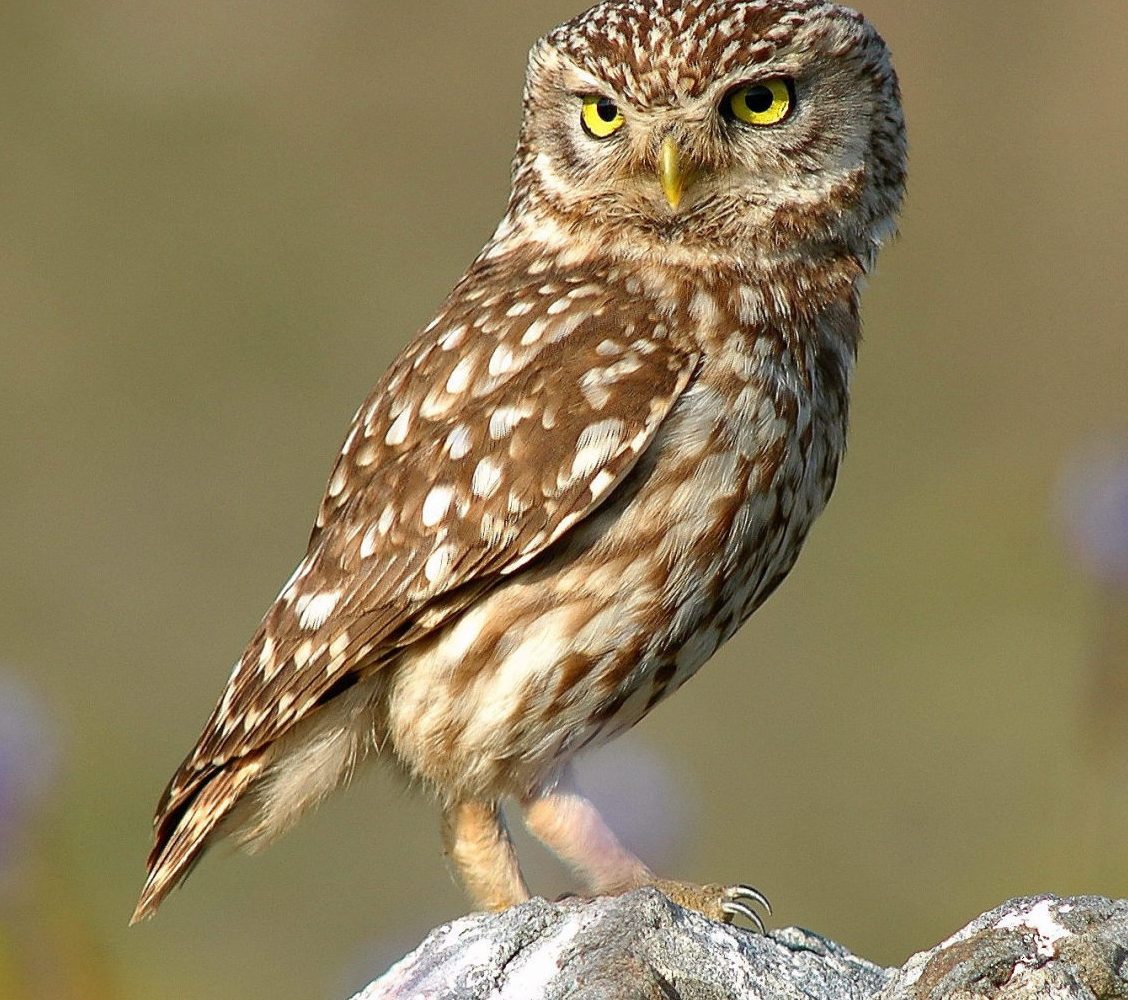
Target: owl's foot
717,902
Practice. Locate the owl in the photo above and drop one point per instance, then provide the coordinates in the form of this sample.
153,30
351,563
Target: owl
597,460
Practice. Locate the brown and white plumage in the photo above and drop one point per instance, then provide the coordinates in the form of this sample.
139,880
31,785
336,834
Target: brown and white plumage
596,461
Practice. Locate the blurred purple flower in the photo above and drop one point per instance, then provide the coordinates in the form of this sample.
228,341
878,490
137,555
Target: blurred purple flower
27,762
1094,504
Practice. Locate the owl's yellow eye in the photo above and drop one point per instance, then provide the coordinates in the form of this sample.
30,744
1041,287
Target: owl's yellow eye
601,117
766,103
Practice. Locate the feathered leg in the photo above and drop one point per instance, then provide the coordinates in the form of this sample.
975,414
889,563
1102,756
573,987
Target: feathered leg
477,841
570,825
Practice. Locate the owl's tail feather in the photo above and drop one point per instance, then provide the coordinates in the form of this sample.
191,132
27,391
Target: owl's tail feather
182,834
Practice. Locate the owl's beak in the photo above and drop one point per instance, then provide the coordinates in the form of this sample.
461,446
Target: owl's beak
672,172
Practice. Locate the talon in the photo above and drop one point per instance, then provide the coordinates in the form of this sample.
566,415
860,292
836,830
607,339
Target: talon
717,902
734,908
748,892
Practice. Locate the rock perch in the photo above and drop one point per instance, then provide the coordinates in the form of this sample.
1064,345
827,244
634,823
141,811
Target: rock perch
641,946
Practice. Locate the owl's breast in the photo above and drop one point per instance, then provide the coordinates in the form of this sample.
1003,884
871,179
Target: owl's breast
732,484
582,642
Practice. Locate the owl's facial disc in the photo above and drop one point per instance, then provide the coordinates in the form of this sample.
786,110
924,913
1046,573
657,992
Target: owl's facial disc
718,129
748,105
654,153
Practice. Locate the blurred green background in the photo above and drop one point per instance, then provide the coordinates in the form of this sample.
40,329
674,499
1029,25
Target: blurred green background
218,223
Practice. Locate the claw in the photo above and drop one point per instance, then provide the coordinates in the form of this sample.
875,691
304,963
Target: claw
717,902
748,892
734,908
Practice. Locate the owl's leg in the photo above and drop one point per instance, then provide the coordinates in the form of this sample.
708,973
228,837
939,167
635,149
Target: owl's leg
570,825
477,841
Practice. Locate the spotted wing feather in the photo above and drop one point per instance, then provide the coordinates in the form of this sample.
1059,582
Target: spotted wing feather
513,416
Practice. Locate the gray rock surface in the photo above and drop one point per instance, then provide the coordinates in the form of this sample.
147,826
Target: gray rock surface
642,946
1043,946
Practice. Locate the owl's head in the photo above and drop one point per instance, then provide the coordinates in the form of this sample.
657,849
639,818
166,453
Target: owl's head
744,130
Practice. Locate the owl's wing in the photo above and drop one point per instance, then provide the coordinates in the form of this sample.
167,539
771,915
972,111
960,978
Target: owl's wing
513,416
